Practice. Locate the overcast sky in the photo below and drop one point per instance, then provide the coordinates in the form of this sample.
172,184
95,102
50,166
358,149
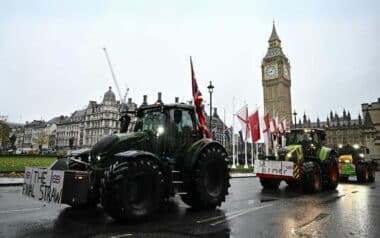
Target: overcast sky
52,63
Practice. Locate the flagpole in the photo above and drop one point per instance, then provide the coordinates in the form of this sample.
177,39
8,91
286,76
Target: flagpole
252,152
246,137
233,133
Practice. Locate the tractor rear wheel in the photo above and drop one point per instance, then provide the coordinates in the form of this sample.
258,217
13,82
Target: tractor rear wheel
210,180
362,173
311,177
331,174
268,183
133,189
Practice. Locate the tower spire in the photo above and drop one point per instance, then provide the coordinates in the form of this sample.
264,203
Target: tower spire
274,35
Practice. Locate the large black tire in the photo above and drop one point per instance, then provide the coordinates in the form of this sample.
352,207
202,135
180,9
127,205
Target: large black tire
330,173
362,173
210,180
133,189
372,175
311,177
268,183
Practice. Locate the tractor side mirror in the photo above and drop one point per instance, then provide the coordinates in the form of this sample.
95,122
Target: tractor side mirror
366,150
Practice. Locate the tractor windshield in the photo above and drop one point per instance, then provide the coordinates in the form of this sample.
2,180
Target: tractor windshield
150,121
301,136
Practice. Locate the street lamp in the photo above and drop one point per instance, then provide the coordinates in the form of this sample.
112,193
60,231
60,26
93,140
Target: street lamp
210,90
295,118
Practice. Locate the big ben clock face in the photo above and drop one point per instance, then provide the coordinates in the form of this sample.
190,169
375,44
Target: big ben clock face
270,71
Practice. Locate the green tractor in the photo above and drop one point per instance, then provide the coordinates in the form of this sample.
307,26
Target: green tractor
353,163
131,174
304,161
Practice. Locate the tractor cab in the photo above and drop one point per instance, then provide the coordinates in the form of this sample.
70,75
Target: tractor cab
168,127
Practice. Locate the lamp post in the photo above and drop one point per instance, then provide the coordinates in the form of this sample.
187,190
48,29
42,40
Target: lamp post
210,90
295,119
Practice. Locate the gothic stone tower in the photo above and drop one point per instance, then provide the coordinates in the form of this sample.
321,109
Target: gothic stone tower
276,80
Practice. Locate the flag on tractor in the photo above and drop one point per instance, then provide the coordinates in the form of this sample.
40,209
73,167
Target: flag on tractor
242,115
197,96
255,126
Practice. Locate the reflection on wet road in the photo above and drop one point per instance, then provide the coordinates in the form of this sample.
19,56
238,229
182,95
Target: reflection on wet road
353,210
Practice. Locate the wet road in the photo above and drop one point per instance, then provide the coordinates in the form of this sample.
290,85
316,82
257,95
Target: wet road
353,210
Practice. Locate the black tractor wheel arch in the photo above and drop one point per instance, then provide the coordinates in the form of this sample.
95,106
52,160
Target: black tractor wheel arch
209,181
311,177
268,183
133,188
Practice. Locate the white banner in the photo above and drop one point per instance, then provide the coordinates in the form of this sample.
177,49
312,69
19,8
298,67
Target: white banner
43,184
273,167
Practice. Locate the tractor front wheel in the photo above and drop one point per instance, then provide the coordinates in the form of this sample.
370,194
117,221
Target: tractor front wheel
331,174
133,189
311,177
372,175
210,182
362,173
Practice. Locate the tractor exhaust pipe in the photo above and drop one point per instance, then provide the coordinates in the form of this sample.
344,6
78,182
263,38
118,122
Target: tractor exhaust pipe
145,100
159,98
176,99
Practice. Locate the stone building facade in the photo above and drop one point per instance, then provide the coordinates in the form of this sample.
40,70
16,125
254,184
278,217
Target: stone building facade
371,113
86,127
340,129
276,79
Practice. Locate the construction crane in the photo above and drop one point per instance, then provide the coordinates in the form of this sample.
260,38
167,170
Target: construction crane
122,99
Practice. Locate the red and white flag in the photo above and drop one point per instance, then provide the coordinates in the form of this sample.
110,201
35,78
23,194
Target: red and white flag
255,126
266,128
197,96
242,115
274,125
283,125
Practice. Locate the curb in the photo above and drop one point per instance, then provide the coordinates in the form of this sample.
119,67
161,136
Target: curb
10,181
237,175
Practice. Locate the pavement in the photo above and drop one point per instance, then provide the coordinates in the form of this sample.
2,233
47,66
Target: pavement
12,181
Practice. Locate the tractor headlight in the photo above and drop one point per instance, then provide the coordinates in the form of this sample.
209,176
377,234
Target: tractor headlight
361,155
160,131
98,157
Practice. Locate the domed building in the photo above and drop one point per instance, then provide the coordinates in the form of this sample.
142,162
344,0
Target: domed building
86,127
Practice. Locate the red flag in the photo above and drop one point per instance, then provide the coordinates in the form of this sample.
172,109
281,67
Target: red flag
255,126
197,96
266,123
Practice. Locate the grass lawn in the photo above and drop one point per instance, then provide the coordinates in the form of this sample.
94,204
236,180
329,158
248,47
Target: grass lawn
18,164
241,169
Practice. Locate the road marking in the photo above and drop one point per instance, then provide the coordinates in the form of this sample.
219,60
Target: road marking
122,235
298,230
218,217
20,210
240,214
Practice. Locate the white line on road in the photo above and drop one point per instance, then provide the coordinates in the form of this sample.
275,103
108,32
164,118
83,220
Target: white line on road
218,217
122,235
20,210
239,214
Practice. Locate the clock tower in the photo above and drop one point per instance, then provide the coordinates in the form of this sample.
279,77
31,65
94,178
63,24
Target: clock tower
276,80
